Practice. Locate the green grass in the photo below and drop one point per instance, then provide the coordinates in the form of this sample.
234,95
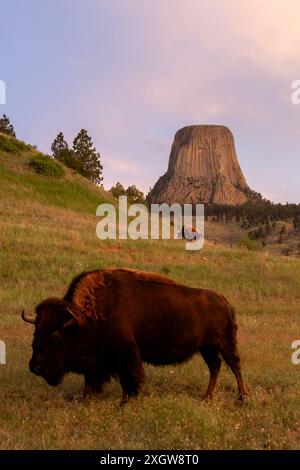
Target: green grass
251,245
46,239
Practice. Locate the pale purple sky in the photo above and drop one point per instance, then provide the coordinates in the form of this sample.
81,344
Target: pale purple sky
133,72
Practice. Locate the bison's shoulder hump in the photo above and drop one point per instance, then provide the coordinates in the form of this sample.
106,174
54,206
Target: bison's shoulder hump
143,276
81,292
80,281
85,283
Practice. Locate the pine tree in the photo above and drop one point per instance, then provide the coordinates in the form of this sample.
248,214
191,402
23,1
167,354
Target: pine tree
135,195
118,190
68,157
268,227
282,234
6,127
260,232
58,146
89,157
296,222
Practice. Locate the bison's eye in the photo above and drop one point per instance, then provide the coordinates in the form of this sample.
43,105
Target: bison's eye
56,336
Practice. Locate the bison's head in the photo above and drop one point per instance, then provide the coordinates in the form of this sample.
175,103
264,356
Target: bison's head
54,342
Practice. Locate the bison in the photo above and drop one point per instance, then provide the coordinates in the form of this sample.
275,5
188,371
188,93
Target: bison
111,321
190,233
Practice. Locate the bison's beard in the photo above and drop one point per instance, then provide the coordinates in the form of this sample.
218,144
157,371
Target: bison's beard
52,378
53,381
52,371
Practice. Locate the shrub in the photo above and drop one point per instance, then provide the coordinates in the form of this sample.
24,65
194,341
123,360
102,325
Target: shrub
251,245
44,165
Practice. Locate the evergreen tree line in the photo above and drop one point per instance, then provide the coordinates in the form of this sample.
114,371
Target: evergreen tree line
251,214
82,157
134,195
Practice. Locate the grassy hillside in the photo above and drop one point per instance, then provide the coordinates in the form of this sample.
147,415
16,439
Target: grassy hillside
20,185
47,235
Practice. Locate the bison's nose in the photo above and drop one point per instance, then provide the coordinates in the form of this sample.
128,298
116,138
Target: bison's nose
38,370
35,368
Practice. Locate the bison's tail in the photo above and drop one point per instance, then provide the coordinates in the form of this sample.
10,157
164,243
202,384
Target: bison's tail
232,327
233,312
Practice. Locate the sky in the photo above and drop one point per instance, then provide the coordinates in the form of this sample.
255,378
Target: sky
132,72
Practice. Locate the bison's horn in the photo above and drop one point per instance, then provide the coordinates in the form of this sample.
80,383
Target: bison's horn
72,313
27,318
72,321
69,323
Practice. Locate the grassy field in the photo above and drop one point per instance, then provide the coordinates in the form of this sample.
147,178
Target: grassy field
47,235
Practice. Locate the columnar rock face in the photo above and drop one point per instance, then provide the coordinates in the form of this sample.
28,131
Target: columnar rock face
203,168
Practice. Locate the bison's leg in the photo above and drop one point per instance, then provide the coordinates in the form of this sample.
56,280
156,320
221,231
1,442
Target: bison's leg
232,358
213,361
131,371
92,385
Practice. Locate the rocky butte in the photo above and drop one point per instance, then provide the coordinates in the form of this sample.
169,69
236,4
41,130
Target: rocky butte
203,168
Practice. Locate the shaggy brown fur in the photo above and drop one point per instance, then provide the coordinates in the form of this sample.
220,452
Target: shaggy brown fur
113,320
